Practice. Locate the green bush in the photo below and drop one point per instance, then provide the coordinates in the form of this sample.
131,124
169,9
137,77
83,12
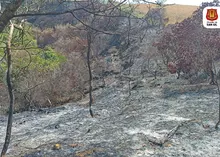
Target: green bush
26,55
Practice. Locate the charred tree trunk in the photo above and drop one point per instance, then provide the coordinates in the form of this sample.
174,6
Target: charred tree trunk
129,29
10,92
212,75
89,40
155,74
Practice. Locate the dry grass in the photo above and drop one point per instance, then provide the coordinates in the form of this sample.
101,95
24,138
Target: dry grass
175,13
178,13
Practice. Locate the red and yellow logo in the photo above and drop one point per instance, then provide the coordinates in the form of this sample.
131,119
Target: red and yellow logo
212,14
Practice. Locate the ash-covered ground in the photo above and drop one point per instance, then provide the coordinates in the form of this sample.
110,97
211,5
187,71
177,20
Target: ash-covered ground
123,124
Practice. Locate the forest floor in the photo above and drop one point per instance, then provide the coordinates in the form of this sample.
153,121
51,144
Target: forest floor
123,126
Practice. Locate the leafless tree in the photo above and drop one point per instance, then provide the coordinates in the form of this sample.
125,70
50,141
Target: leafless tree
10,90
89,39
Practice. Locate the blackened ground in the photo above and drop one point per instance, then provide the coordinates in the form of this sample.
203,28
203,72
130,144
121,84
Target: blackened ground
123,125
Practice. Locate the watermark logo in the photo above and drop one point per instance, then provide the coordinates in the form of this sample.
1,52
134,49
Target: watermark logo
212,14
211,17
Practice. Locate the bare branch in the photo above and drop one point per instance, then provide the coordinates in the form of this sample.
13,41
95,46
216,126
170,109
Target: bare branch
3,57
105,32
170,134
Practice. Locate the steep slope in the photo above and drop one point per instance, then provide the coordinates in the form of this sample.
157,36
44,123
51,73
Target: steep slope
123,126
